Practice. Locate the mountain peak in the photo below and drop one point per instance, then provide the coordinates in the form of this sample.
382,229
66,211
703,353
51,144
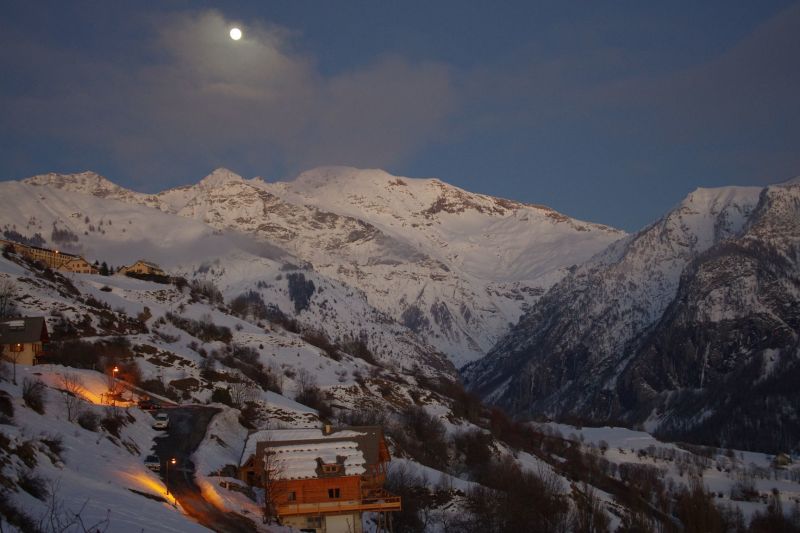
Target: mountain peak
220,177
85,182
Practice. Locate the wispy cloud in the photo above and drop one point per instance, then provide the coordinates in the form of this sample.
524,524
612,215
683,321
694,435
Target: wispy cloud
200,97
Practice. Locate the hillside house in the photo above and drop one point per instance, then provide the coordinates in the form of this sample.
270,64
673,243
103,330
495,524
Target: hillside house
23,339
78,265
54,259
321,480
143,267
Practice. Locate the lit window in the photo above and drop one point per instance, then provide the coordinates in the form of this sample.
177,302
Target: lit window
333,493
16,347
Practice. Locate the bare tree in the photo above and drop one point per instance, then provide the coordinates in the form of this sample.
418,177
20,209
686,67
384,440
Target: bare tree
242,392
305,381
72,386
7,291
274,489
589,516
3,366
57,518
13,357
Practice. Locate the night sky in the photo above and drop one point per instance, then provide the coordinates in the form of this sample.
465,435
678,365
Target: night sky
607,111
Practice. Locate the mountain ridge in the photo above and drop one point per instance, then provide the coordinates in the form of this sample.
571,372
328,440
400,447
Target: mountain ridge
461,266
618,339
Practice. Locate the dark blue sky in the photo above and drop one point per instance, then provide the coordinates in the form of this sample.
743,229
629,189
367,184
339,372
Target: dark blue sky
607,111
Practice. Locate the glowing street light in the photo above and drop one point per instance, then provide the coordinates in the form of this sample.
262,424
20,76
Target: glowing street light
112,380
166,478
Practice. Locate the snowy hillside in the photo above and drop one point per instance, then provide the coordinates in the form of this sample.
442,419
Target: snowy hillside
120,233
456,268
53,468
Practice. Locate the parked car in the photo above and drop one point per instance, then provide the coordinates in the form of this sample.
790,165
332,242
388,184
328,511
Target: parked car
162,421
153,463
149,405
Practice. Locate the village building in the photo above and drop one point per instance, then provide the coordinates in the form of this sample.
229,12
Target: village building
143,267
78,265
22,340
321,480
54,259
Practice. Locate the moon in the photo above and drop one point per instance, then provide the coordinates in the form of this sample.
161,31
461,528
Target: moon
236,34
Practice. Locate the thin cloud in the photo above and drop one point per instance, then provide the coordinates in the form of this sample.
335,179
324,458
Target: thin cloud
202,99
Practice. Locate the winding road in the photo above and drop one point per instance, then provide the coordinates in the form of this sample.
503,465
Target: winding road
187,428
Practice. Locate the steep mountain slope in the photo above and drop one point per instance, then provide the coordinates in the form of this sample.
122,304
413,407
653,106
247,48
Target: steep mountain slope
456,268
119,233
704,299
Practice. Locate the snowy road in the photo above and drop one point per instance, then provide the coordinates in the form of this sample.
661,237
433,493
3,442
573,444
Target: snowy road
187,427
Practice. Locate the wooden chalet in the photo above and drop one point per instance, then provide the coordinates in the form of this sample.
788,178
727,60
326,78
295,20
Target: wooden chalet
143,267
22,340
321,480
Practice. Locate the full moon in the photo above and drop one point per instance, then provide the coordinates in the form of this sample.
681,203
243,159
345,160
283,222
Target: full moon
236,34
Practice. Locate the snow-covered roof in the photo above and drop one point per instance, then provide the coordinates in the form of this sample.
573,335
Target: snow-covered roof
276,436
147,263
297,450
27,329
299,461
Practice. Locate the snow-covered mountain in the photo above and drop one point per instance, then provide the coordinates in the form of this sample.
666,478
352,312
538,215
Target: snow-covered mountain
456,268
679,326
120,233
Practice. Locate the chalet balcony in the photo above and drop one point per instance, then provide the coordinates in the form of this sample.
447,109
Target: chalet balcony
382,504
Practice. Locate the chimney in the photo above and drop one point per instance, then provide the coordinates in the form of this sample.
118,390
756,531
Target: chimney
327,429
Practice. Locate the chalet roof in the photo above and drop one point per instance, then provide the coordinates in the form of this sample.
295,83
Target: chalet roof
77,259
22,330
297,450
148,263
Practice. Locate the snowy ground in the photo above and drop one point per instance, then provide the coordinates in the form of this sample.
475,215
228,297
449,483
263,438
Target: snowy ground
96,473
719,472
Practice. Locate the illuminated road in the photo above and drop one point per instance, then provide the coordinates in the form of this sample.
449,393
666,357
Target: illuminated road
187,427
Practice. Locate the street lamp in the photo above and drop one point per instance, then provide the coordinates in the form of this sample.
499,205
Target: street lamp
166,478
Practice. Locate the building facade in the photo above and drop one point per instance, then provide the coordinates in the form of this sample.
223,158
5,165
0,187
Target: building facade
143,267
22,340
54,259
321,480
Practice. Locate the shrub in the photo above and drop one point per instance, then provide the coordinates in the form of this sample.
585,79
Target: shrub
33,392
6,406
423,436
313,397
14,516
221,396
27,453
249,304
205,290
156,387
55,443
245,358
357,347
89,420
320,340
204,329
112,424
34,485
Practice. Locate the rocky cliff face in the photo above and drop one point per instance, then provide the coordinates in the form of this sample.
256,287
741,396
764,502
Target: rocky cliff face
689,327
